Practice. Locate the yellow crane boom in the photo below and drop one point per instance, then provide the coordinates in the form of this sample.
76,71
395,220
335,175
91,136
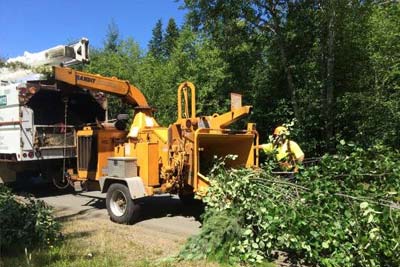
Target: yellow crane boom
100,83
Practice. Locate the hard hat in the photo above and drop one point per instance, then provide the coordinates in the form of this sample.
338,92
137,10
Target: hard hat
280,130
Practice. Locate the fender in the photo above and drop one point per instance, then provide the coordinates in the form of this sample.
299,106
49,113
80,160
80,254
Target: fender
135,185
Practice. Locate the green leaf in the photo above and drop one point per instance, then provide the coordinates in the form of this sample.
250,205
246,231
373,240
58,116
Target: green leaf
248,232
364,205
370,218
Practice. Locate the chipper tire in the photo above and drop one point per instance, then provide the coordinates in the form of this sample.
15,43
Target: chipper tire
120,206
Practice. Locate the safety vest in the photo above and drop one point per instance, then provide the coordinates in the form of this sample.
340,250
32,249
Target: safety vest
286,153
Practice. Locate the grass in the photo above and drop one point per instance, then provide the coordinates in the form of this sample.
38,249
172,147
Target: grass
100,243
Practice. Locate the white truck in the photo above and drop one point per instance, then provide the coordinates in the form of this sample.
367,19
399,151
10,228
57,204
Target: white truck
38,120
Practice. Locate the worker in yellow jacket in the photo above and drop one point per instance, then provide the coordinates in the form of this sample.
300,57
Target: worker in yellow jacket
288,153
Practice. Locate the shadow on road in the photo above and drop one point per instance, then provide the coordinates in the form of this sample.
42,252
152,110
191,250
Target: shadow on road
41,190
169,206
156,207
151,207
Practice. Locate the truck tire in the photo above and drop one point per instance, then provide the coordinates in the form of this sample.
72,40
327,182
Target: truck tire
120,206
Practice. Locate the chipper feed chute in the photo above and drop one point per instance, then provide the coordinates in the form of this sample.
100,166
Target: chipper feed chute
217,145
208,138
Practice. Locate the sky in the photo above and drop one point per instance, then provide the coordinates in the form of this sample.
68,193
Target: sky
41,24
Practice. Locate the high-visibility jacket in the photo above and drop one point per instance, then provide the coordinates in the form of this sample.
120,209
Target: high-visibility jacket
287,153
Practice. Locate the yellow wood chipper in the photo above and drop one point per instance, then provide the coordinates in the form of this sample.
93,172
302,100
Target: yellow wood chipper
148,158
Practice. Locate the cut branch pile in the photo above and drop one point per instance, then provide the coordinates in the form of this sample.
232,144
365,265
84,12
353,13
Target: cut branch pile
342,212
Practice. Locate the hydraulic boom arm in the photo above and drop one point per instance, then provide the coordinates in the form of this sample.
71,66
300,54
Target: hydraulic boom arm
97,82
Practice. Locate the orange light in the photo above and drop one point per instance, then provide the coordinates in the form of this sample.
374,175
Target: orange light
32,90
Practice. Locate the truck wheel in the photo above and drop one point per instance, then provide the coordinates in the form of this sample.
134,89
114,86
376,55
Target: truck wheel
120,206
60,179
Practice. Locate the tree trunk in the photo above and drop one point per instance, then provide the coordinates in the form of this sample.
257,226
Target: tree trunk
289,77
330,80
284,60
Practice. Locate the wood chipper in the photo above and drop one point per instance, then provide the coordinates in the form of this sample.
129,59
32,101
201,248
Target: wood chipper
148,159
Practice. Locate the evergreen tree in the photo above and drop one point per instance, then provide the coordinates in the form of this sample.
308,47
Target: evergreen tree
112,37
156,42
171,36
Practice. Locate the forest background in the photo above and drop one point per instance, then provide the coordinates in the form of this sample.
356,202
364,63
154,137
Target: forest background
331,67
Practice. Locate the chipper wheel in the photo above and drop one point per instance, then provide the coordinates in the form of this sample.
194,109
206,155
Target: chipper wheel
120,206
